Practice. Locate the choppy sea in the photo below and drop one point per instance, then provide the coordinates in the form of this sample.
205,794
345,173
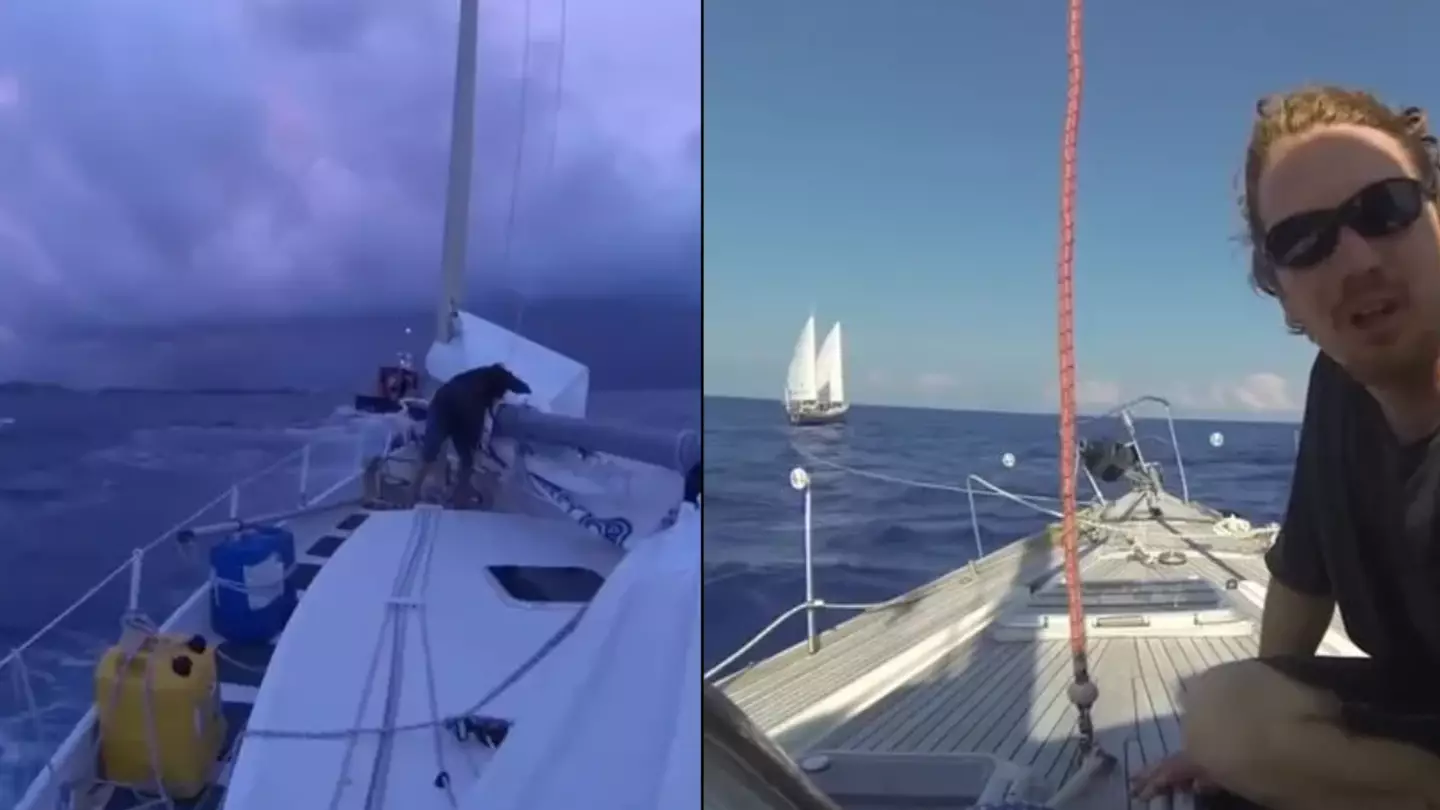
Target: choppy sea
87,476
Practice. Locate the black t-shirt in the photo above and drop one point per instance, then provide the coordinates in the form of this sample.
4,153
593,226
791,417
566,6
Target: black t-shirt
462,402
1361,524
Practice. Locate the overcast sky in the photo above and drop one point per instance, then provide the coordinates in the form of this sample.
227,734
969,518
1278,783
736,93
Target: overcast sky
164,158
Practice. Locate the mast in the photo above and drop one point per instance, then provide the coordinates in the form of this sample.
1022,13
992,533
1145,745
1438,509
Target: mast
457,189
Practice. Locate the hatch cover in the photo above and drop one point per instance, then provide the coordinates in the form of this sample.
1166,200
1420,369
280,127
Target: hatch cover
1126,608
1178,594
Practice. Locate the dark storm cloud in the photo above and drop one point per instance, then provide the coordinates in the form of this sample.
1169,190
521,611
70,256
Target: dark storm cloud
162,159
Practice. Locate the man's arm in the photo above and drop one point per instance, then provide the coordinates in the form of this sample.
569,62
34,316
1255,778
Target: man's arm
517,386
1293,622
1299,601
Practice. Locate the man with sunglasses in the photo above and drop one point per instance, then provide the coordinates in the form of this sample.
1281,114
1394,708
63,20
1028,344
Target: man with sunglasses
1340,203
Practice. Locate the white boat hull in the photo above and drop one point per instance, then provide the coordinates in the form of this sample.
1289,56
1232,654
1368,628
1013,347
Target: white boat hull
819,414
298,671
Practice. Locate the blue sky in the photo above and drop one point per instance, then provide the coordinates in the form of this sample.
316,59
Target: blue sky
894,165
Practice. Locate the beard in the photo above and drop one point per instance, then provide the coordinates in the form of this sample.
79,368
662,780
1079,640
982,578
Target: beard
1407,364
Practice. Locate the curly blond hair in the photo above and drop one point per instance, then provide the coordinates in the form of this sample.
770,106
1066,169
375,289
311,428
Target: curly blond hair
1298,112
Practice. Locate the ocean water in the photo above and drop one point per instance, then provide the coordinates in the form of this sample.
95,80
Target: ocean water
874,539
85,477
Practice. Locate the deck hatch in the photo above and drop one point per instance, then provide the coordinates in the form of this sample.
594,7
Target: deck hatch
1125,608
548,584
871,780
1172,594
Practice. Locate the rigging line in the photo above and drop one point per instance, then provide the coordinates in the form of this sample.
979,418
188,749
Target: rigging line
400,610
1083,692
342,781
913,482
1031,501
512,213
548,172
432,690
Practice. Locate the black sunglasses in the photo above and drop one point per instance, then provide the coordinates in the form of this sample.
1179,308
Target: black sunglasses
1380,209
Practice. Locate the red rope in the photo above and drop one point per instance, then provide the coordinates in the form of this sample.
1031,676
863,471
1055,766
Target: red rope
1066,274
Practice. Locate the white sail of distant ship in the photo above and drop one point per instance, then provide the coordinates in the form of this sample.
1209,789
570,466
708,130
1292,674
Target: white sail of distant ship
830,369
815,382
800,381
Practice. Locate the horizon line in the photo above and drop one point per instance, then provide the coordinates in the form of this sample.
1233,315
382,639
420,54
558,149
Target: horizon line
1245,417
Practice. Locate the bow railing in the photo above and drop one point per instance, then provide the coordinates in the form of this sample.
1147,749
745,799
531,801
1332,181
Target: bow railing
46,680
1045,506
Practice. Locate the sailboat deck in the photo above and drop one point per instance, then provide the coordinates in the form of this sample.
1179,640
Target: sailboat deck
999,693
1008,698
240,669
773,691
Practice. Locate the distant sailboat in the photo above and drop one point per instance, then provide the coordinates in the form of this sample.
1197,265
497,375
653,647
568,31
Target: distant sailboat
815,383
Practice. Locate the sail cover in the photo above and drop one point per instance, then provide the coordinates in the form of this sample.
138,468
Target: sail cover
623,728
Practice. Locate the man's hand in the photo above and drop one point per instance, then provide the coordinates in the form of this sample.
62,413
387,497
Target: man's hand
1173,773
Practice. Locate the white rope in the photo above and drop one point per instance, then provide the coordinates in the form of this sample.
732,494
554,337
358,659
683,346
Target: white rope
1236,526
418,559
432,691
281,580
510,680
351,743
395,623
24,687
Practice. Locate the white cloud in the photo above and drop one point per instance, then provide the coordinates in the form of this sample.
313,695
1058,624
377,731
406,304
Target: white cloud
932,382
1097,393
1264,392
1258,392
1090,394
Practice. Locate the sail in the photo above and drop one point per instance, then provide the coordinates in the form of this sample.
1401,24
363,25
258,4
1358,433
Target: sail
800,381
829,370
621,726
558,384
